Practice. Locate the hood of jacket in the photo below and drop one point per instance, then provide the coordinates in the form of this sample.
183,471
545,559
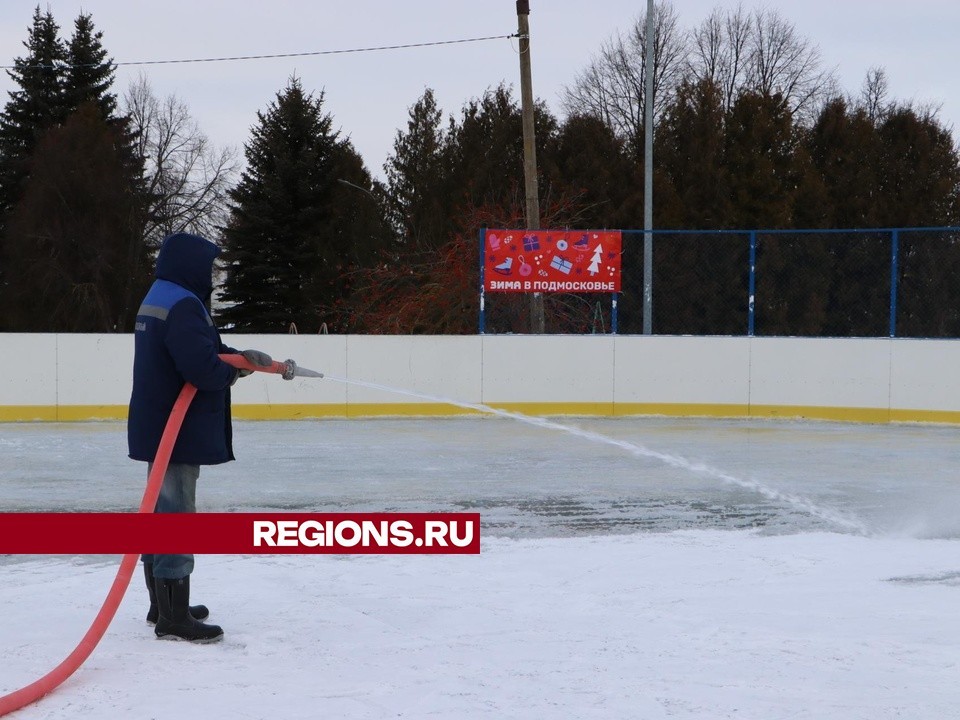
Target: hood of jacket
187,260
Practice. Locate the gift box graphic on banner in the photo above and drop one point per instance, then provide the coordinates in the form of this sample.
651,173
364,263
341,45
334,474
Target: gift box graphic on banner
562,264
551,260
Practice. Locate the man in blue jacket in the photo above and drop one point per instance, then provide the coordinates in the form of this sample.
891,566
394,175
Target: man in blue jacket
176,342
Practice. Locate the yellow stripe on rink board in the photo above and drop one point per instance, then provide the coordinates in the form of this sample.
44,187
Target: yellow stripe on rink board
28,413
352,410
784,412
426,409
75,413
546,409
292,411
78,413
925,416
836,414
61,413
682,410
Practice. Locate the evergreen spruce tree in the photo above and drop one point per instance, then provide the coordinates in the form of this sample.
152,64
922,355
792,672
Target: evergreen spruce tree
706,288
31,109
37,105
761,139
71,188
588,161
487,149
73,236
845,148
88,79
416,174
690,153
89,72
295,230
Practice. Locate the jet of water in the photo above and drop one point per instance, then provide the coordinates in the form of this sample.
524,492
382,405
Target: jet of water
805,505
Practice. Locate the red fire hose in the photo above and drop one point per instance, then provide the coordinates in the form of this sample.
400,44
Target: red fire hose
49,682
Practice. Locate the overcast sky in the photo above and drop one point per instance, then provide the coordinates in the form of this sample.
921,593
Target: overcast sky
369,94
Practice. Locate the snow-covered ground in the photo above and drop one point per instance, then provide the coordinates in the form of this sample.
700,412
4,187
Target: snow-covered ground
630,568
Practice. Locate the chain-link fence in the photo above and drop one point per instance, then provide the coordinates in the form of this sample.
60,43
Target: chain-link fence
901,282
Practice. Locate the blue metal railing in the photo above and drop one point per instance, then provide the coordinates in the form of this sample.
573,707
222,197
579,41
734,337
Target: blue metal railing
791,282
949,245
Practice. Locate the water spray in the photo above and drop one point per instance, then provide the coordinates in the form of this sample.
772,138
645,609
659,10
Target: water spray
808,506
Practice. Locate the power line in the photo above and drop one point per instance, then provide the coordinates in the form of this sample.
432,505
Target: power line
279,55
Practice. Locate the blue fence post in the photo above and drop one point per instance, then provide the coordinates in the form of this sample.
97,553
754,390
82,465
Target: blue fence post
751,305
894,262
483,242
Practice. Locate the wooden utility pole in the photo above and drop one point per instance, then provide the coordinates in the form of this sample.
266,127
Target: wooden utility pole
537,321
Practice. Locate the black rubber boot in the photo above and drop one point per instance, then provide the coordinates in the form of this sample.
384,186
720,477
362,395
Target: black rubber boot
174,621
199,612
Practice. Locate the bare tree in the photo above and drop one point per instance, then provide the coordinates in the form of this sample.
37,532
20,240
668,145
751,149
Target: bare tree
873,94
719,52
612,86
759,52
186,176
786,64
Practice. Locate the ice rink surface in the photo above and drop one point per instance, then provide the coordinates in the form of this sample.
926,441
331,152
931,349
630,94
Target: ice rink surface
617,476
631,568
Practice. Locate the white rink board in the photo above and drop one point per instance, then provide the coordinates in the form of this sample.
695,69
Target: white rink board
94,369
443,366
925,374
689,370
548,369
29,374
77,377
828,372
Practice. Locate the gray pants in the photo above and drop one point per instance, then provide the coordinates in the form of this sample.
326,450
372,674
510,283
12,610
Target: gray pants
177,494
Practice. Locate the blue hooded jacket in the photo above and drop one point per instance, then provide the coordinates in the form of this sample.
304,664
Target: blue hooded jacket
175,341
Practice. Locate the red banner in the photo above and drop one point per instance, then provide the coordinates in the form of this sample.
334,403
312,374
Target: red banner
581,261
244,533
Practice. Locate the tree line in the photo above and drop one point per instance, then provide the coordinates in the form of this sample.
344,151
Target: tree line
750,132
90,183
